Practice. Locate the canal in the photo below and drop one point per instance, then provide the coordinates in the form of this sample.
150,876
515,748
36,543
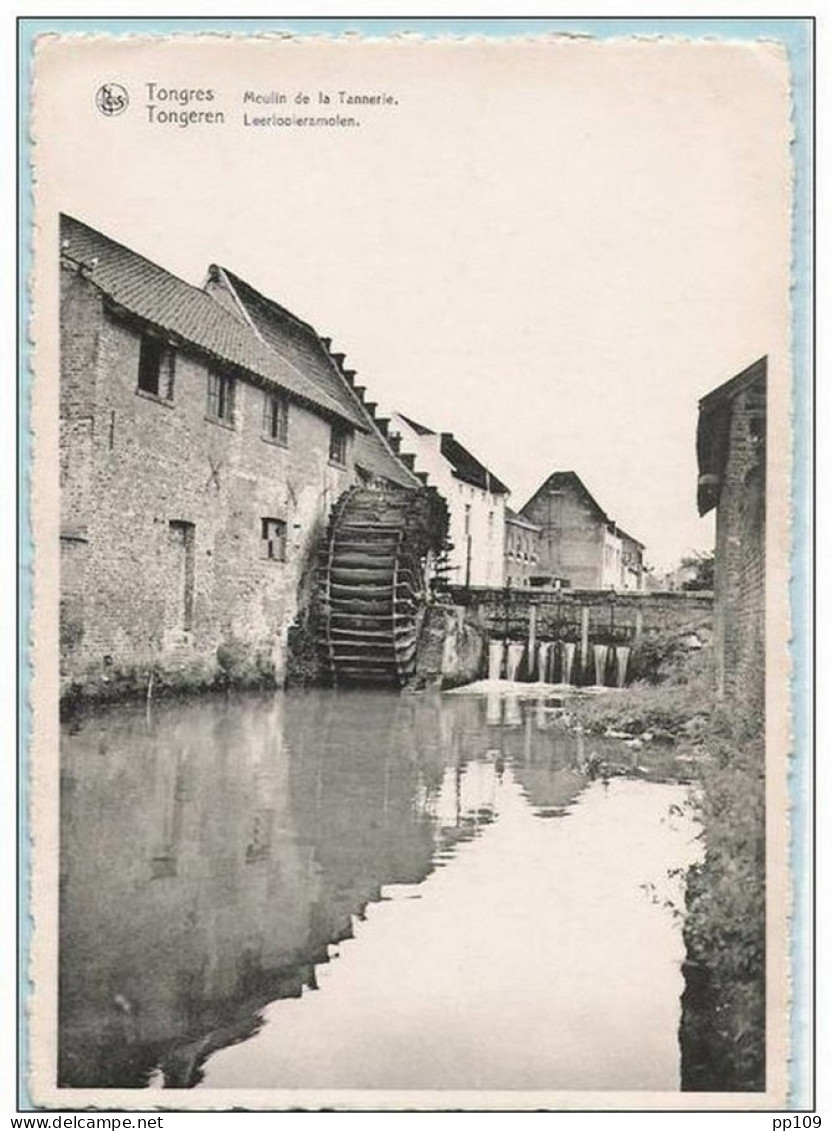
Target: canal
322,889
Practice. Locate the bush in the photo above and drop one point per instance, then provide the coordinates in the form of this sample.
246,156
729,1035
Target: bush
724,926
655,657
671,706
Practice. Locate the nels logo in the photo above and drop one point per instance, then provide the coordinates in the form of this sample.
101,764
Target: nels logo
112,99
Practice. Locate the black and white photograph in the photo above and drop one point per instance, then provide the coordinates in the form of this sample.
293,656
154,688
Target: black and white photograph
414,417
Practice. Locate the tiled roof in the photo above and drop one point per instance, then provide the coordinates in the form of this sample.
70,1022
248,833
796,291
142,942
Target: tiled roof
155,296
468,468
299,344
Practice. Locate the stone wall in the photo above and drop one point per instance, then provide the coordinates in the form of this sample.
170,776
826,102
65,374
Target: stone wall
164,564
610,616
451,650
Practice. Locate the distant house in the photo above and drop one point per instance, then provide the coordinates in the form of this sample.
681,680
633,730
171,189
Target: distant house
204,435
579,544
731,452
475,497
521,550
632,562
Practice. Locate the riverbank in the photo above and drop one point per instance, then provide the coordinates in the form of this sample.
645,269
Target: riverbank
723,1021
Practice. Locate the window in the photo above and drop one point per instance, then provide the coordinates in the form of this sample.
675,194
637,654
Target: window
221,397
273,533
338,445
156,368
276,418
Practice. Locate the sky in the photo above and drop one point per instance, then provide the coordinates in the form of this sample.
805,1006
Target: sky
552,249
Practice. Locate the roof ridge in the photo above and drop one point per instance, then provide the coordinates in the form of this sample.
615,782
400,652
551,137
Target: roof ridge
238,279
253,355
136,254
246,293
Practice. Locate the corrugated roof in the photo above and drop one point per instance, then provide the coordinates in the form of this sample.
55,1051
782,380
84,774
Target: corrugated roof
299,343
155,296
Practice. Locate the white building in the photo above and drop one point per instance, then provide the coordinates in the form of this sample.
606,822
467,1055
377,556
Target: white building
476,501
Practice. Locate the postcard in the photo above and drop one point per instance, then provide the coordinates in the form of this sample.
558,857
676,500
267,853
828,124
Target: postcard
416,423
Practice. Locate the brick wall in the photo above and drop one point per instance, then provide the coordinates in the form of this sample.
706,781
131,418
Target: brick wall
131,466
739,579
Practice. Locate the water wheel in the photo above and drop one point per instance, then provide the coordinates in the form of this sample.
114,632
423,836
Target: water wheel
372,581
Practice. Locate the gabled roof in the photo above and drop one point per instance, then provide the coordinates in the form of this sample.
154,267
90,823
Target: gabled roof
299,344
467,467
568,480
629,538
714,426
464,465
139,287
422,429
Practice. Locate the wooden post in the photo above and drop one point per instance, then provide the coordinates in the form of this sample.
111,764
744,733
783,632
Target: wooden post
584,638
639,625
532,639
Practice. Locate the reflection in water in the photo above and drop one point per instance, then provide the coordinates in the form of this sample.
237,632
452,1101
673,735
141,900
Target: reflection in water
217,858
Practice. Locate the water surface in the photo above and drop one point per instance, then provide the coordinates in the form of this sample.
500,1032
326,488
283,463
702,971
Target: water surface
365,890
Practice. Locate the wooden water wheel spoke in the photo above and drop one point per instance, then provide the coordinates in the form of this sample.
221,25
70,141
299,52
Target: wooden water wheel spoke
371,581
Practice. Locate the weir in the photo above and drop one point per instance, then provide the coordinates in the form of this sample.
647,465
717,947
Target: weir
543,652
554,661
577,637
495,659
514,657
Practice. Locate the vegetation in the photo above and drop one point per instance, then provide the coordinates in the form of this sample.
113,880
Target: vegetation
723,1023
703,566
724,925
675,694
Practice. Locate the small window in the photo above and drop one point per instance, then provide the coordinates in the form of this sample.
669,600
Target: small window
273,533
156,368
276,418
338,445
221,389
